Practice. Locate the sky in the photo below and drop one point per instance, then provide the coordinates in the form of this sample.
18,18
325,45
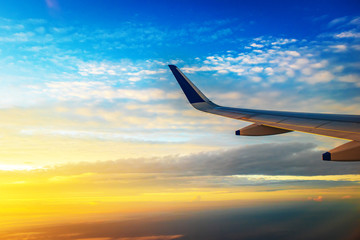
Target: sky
95,133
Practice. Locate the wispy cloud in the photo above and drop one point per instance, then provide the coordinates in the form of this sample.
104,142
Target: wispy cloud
348,34
337,21
100,90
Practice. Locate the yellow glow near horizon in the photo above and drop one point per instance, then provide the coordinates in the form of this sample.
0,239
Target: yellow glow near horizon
54,174
7,167
48,196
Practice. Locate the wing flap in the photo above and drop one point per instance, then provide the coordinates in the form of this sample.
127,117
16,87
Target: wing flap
347,152
260,130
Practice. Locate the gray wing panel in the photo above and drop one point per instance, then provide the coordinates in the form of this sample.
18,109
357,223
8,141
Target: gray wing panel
322,124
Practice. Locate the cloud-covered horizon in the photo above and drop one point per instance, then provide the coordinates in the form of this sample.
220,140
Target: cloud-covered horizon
288,159
235,222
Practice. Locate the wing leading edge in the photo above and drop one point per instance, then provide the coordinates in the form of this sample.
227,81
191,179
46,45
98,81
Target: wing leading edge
277,122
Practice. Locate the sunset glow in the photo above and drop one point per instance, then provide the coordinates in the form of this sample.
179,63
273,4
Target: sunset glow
98,142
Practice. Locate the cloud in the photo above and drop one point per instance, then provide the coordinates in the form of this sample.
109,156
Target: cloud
339,47
316,199
351,78
279,63
355,21
257,69
346,197
270,165
290,220
319,77
264,159
347,34
102,91
283,41
337,21
255,45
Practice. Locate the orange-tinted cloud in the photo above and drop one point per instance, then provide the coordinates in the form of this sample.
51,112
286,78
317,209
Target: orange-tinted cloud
316,199
346,197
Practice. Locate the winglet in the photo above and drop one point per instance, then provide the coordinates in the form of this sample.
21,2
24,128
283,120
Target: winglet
193,94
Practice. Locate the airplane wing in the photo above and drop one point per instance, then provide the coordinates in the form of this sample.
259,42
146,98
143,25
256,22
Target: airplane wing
267,122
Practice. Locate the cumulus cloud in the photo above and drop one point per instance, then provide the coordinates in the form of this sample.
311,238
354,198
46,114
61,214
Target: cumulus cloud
255,45
283,41
278,62
293,53
351,78
319,77
257,69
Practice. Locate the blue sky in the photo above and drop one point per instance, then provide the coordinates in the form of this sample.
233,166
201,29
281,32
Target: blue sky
98,71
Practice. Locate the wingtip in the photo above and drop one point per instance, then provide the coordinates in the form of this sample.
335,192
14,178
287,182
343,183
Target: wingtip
193,94
326,156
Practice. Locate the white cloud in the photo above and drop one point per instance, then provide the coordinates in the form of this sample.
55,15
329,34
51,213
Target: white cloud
319,77
283,41
134,79
300,63
307,71
257,69
227,96
18,37
304,64
278,79
293,53
256,45
100,91
320,64
356,47
218,64
14,27
355,21
338,68
256,79
337,21
125,70
290,73
269,71
348,34
339,47
351,78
